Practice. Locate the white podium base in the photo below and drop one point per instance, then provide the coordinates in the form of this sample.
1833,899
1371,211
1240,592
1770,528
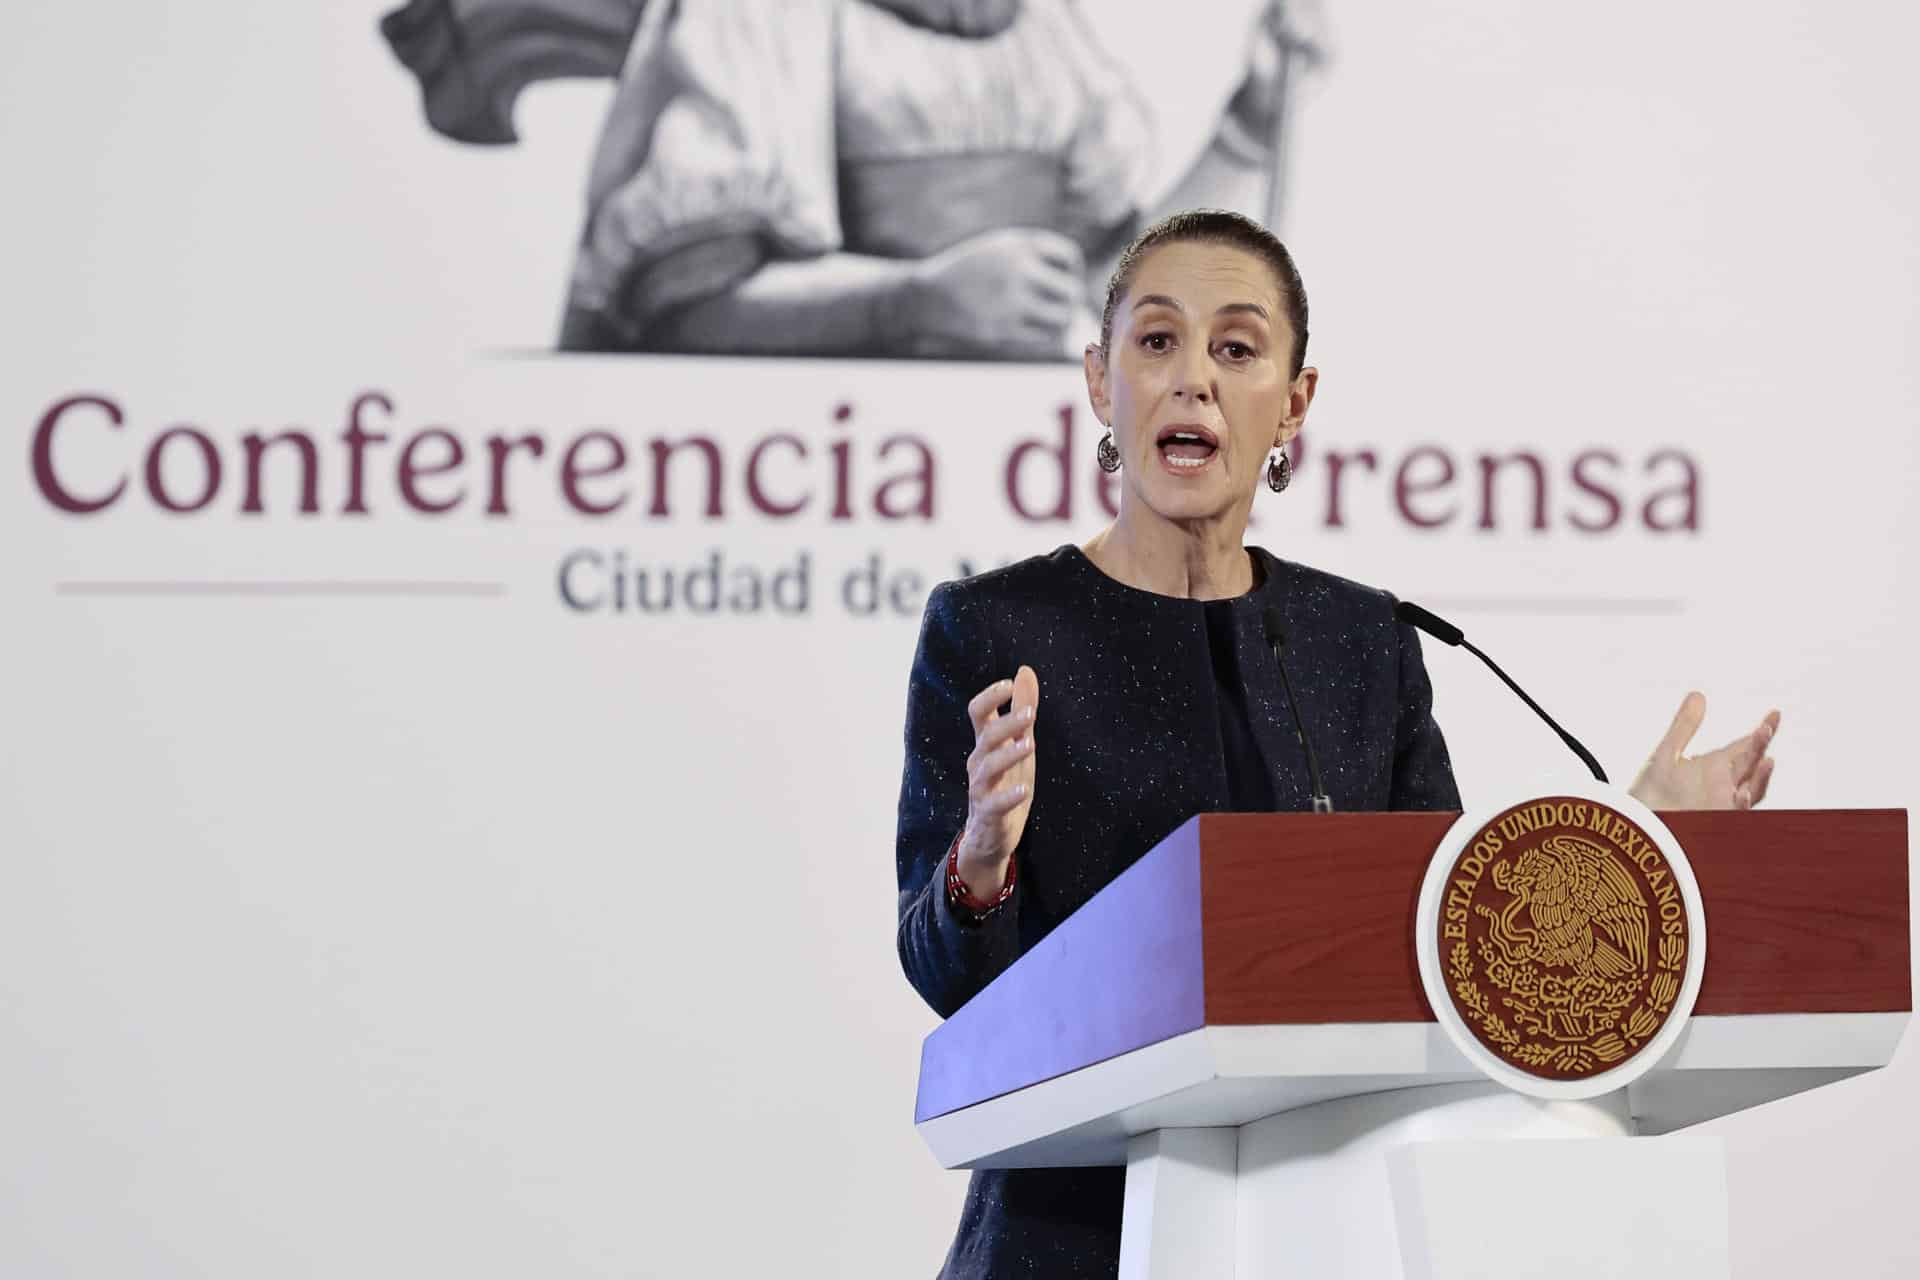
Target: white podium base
1434,1183
1641,1207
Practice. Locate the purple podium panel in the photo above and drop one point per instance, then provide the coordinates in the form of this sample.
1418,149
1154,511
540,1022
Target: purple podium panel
1123,972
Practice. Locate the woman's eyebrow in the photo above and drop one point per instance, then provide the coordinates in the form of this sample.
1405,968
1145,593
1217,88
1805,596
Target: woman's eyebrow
1164,300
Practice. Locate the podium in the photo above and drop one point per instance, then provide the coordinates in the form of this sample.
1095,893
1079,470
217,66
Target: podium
1239,1020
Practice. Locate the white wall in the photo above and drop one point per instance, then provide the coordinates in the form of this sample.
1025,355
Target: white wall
370,936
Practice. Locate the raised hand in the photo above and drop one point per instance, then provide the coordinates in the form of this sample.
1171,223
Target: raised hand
1734,777
999,780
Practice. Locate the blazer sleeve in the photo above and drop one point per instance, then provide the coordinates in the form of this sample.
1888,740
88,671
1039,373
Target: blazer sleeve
946,959
1422,770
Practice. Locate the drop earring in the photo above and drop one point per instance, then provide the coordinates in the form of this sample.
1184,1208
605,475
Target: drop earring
1279,471
1108,453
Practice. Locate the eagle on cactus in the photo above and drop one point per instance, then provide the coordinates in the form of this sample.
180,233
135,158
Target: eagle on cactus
1583,911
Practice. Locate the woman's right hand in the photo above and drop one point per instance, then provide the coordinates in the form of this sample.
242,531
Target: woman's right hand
999,781
1010,293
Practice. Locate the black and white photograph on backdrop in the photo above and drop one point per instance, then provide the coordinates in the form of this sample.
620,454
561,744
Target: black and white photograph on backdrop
939,179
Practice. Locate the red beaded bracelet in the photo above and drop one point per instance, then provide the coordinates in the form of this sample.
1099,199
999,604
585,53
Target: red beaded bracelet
960,898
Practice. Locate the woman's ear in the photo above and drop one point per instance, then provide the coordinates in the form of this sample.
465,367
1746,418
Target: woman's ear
1299,400
1094,360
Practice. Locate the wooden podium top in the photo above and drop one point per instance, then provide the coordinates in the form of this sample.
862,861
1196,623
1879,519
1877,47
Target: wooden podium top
1265,920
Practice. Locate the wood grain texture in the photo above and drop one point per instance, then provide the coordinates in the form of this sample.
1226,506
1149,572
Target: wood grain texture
1806,909
1309,917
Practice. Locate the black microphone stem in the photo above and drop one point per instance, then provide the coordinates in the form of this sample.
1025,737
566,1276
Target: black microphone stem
1322,802
1585,755
1446,633
1276,633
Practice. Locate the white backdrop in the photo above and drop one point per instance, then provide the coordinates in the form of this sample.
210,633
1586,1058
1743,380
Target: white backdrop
455,929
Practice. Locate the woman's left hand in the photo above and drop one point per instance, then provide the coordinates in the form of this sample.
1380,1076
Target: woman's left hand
1734,777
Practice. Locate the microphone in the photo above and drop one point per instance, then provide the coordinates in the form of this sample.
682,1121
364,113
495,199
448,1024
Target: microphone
1446,633
1277,638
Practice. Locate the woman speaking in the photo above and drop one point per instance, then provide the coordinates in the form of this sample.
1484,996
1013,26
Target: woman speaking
1162,699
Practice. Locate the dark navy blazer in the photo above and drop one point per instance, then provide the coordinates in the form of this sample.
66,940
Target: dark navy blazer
1130,744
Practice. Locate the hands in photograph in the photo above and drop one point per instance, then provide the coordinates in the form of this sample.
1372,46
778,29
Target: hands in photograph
1010,293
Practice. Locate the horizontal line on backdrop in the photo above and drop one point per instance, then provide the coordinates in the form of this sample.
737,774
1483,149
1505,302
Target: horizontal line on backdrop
310,587
558,355
1562,605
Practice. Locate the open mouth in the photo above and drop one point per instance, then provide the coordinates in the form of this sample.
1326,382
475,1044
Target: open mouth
1186,447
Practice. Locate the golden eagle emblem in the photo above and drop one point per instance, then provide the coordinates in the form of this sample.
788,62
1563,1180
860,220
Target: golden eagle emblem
1562,938
1567,886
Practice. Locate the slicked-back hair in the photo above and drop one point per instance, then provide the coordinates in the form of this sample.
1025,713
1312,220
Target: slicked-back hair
1214,226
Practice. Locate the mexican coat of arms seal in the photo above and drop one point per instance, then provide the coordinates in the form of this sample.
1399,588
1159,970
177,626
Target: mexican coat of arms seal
1561,941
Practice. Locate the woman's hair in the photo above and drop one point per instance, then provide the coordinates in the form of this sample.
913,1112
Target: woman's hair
1214,226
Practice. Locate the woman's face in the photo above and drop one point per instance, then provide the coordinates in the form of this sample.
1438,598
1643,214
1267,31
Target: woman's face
1195,384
